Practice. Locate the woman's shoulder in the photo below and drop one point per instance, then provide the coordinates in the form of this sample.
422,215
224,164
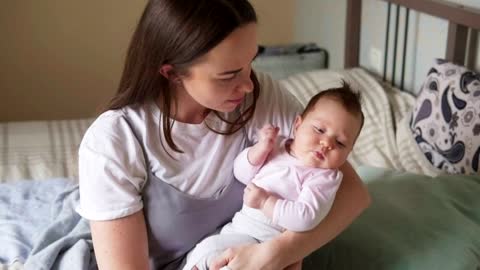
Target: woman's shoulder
110,123
267,83
272,92
114,127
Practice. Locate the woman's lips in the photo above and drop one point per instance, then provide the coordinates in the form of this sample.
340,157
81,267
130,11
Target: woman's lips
236,101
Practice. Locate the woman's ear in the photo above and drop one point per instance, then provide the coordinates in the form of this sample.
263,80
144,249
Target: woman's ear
166,71
169,73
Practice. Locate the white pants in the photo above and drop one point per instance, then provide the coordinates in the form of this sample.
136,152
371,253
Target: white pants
248,226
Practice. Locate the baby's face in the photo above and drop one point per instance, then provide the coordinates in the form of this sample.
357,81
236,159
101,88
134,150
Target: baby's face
325,137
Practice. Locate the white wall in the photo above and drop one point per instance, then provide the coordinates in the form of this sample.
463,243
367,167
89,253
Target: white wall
324,22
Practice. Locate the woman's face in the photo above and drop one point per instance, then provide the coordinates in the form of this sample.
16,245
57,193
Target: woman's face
220,79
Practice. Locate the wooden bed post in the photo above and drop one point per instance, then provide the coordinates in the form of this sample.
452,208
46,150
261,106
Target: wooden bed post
352,33
456,43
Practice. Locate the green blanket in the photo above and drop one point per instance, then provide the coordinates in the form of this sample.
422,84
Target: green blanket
414,222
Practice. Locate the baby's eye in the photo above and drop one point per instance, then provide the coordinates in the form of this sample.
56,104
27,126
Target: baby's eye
320,130
340,143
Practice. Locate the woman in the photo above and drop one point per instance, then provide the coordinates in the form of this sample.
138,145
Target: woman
156,166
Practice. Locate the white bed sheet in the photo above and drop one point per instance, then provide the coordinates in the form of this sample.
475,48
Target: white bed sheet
40,149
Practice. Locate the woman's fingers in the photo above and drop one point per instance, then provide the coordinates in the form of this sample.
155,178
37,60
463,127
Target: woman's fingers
222,260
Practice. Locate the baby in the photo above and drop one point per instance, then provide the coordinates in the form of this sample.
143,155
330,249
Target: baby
291,183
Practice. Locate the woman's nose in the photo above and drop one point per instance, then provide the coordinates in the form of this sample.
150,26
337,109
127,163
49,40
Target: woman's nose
246,85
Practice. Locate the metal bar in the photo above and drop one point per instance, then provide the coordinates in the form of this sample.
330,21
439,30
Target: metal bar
472,49
352,36
395,45
456,43
385,58
405,39
453,12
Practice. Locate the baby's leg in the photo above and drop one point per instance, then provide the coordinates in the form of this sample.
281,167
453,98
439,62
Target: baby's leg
208,249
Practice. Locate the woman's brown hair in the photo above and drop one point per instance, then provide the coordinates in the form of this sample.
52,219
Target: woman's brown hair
177,32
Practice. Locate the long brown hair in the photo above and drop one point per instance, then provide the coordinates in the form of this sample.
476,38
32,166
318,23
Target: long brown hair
177,32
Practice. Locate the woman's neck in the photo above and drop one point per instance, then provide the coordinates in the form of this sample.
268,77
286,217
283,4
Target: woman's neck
189,117
185,109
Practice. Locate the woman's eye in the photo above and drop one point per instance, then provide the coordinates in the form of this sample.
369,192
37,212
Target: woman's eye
227,79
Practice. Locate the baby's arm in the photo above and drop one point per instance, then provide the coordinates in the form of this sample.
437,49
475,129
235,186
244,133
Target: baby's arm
312,205
304,213
248,163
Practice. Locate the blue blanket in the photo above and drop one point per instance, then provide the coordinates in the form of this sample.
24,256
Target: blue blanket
40,228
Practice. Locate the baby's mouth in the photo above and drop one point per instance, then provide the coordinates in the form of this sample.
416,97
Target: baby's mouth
319,155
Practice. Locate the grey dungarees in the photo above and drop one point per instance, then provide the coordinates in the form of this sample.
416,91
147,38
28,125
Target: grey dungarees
177,221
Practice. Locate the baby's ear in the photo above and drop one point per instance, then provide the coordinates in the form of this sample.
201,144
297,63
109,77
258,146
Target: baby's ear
296,124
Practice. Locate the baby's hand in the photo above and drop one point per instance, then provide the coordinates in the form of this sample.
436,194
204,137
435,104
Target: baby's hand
267,137
255,196
259,152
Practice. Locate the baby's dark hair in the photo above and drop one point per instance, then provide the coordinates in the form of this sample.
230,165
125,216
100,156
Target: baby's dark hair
344,94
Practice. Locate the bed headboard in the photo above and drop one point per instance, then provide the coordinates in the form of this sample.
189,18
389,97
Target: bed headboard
460,20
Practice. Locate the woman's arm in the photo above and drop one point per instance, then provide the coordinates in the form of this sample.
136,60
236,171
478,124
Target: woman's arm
121,243
351,200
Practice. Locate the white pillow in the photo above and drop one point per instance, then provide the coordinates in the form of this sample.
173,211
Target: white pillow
446,119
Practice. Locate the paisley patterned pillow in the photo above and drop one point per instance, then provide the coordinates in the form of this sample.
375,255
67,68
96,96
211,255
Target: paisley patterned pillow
446,118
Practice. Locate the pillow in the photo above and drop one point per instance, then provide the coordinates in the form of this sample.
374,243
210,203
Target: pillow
445,121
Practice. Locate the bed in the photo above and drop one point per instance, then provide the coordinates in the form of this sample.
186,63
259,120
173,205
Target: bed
425,211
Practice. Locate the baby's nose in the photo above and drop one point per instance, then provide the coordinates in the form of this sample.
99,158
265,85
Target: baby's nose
326,145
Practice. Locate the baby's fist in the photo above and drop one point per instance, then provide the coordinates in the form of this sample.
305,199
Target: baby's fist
267,136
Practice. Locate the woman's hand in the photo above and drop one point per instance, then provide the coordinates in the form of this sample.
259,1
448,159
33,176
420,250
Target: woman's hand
254,256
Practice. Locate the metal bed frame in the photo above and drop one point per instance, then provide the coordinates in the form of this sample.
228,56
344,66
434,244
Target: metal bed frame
460,20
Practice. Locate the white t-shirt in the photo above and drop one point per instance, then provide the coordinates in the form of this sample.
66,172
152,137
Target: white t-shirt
112,169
